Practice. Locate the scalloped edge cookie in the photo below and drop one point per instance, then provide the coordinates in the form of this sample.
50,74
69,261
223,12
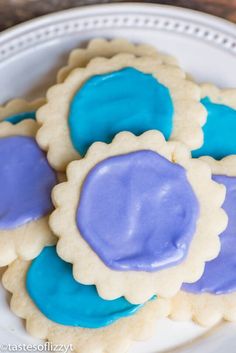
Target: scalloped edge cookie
54,135
207,309
115,338
27,240
19,105
100,47
138,287
221,96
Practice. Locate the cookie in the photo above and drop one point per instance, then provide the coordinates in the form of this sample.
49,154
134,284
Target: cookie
138,217
213,297
18,109
124,93
219,130
63,311
26,181
100,47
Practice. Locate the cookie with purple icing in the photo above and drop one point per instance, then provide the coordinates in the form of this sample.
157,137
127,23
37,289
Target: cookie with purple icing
111,95
213,297
26,181
63,311
138,211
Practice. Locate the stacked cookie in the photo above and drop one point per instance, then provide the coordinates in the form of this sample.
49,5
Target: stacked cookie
142,225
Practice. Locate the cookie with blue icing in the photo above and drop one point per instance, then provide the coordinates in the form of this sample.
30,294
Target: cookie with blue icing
19,109
123,93
219,130
61,310
213,297
100,47
138,210
26,181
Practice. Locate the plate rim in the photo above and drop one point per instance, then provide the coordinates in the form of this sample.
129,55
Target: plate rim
103,7
210,28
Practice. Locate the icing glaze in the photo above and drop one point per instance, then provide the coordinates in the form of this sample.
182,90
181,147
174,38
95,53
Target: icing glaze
125,100
220,274
219,131
61,299
138,212
17,118
26,180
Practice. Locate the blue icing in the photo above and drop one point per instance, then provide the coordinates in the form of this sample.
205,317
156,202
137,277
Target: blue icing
61,299
17,118
124,100
219,131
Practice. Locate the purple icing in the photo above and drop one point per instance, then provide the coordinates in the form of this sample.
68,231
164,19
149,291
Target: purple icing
138,212
26,180
220,274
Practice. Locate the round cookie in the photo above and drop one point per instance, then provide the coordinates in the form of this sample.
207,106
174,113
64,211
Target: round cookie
19,109
63,311
124,93
26,181
101,47
213,297
138,211
219,130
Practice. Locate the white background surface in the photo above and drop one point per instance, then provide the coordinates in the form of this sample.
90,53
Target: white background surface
30,56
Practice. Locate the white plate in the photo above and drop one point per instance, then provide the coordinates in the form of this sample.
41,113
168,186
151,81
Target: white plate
30,55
